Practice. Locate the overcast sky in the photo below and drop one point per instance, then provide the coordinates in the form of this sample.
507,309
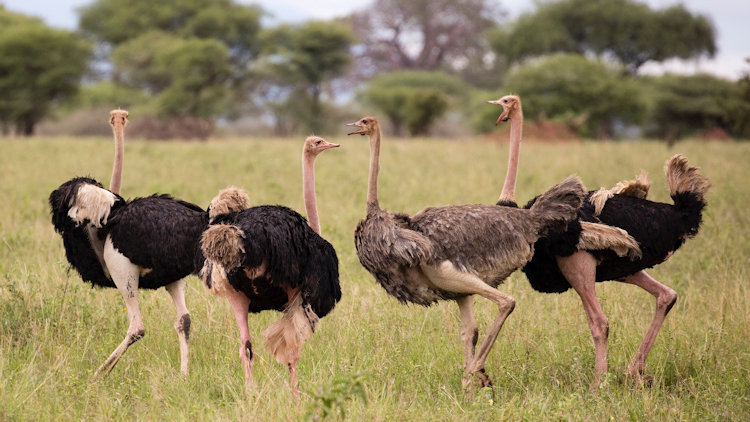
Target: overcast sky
730,17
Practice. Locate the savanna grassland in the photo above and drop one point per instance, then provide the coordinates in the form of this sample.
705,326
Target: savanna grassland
56,330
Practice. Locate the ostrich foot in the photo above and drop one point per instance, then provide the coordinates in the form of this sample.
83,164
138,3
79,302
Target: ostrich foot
640,378
479,376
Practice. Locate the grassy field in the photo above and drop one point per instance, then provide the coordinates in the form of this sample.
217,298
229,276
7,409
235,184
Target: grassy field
55,330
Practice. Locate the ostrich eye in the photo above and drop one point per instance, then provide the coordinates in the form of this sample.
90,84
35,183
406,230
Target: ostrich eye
505,101
364,121
317,143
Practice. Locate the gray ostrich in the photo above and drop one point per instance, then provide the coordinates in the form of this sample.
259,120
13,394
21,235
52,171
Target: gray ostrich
587,253
454,252
269,258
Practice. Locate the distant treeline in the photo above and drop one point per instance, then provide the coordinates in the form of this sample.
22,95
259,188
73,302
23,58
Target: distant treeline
184,68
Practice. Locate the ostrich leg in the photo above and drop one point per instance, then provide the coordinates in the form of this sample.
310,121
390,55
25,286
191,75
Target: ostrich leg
665,299
125,275
447,277
240,305
580,271
469,332
177,291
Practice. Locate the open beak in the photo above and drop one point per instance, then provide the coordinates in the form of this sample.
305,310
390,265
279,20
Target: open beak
504,115
361,130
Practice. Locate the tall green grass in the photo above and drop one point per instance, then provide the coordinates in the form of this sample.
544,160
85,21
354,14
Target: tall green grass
55,330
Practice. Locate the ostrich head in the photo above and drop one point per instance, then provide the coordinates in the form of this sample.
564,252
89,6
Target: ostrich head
511,105
367,126
118,118
314,145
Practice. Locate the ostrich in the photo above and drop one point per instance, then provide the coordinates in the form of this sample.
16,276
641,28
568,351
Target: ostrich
268,258
144,243
565,260
454,252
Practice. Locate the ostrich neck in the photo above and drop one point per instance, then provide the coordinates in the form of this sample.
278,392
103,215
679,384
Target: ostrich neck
516,131
116,181
372,184
308,191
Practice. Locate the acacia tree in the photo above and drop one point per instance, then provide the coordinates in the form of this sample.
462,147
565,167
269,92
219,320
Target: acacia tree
423,34
301,61
626,31
39,67
218,47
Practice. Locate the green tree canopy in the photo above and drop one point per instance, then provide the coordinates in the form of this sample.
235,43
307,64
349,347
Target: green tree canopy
301,60
220,38
39,67
627,31
588,95
683,105
415,99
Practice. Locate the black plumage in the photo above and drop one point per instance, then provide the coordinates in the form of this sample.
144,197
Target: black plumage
292,255
659,228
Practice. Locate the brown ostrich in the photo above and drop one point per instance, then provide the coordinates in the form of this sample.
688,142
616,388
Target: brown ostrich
579,258
118,119
454,252
269,258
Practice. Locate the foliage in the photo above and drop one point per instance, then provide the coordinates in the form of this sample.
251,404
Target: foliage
219,43
684,105
627,31
415,99
39,67
329,400
736,108
424,35
301,61
588,95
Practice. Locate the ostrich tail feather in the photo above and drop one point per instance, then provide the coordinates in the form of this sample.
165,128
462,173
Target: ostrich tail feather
223,244
684,178
637,188
285,337
228,200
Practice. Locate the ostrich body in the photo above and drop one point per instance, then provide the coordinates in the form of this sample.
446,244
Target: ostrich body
270,258
145,243
572,259
454,252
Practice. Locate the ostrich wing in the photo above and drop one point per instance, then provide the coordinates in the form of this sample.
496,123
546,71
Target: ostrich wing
486,240
385,241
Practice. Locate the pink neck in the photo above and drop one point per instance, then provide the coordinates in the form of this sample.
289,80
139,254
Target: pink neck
308,191
372,183
516,131
116,181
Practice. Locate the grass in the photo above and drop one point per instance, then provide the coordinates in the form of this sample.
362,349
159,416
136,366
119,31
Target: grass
55,330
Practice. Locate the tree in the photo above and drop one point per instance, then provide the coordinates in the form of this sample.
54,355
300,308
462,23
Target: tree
626,31
415,99
39,67
423,34
587,95
736,107
684,105
301,61
235,26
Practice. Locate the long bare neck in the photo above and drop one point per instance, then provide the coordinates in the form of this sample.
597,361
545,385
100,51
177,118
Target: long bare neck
308,191
116,181
516,131
372,183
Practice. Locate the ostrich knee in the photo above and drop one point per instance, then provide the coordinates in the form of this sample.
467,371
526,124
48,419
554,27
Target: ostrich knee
666,300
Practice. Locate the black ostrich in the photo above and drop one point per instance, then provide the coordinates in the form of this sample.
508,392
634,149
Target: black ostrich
144,243
269,258
577,258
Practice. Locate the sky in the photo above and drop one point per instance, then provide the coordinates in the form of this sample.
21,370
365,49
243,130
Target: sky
731,19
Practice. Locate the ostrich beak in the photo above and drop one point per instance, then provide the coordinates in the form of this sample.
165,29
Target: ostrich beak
504,116
329,145
361,130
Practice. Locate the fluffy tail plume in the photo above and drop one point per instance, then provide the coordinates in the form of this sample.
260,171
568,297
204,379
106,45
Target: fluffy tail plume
683,178
285,337
228,200
222,245
596,236
559,205
688,190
